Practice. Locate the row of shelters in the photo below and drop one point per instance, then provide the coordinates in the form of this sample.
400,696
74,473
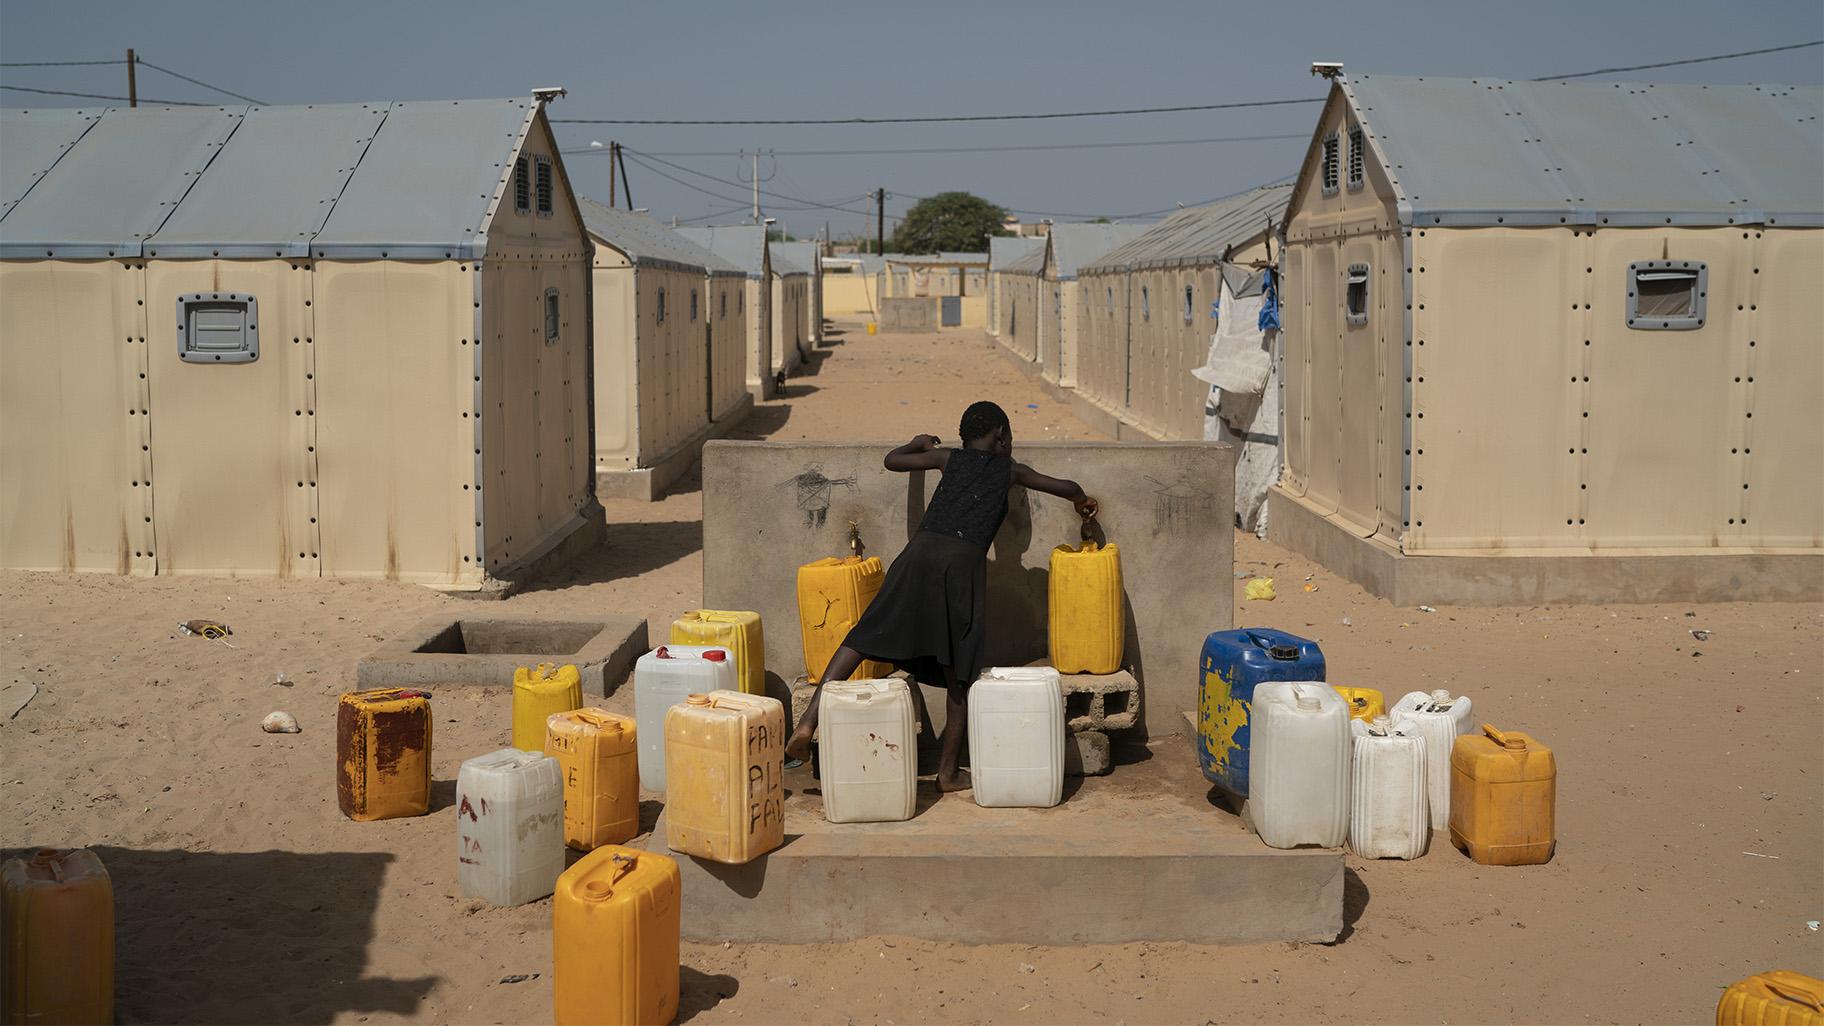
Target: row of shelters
1035,289
339,341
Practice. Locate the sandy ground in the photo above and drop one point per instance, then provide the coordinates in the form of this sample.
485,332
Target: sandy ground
1690,809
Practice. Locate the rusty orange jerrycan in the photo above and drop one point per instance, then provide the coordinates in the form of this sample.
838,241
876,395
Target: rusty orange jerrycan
1088,626
614,939
1503,794
1777,998
383,753
738,631
598,754
538,692
58,913
832,595
724,769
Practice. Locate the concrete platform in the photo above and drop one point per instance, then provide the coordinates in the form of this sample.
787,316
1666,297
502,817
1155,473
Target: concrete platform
649,483
1522,579
1142,855
487,649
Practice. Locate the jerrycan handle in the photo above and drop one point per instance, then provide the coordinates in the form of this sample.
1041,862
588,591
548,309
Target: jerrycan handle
1504,739
1275,650
1805,998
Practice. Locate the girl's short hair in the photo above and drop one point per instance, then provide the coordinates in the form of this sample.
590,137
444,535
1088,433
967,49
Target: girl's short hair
982,418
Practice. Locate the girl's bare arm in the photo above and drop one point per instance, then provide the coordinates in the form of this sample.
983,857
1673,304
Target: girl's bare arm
921,453
1026,477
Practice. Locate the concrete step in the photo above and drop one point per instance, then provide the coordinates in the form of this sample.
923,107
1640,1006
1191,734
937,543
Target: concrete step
1142,855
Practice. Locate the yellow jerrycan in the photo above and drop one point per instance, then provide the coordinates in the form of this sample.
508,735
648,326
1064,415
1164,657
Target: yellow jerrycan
1777,998
537,693
614,940
58,913
734,629
597,753
724,767
1088,626
1503,793
832,595
383,753
1364,703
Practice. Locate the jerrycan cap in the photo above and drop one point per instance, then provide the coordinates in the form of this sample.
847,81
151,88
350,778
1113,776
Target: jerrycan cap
1307,702
1283,653
1441,696
662,653
1382,725
696,700
1511,743
716,655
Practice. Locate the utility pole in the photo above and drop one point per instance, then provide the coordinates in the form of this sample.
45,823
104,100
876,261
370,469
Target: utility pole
132,78
880,222
613,147
756,186
620,157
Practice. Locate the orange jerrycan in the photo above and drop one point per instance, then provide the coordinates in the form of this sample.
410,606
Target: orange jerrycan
724,768
383,753
1088,626
832,595
1503,793
58,912
614,939
1364,703
734,629
537,693
1777,998
598,755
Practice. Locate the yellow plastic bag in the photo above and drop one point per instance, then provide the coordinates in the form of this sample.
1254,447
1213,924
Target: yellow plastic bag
1260,588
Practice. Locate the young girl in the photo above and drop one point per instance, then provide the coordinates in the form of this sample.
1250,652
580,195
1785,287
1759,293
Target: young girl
931,614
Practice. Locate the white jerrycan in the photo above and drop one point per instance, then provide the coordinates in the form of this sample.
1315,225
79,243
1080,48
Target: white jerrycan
1016,737
663,678
1442,719
1298,791
509,826
1389,811
867,761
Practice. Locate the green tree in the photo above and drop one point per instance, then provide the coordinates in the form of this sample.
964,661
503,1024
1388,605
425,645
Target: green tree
957,221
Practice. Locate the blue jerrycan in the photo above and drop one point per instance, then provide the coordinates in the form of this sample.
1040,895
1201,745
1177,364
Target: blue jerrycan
1233,664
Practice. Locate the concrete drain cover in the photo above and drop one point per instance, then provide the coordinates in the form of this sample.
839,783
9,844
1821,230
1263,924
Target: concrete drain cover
487,649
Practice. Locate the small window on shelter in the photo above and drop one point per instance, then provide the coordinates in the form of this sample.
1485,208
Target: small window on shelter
546,185
1355,294
522,186
1146,304
1356,159
218,327
693,306
1667,295
741,302
1330,169
661,306
1013,320
1189,305
1111,300
722,306
553,321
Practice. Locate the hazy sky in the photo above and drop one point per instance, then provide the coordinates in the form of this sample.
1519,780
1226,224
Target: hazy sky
784,59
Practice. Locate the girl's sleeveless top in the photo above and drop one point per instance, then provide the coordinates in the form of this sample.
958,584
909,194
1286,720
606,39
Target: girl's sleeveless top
971,499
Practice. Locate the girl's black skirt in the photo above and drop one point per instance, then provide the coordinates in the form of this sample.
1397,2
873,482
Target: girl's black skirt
932,611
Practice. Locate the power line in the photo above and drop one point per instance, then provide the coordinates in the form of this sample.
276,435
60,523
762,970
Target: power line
931,119
193,81
1688,60
101,96
916,150
811,204
57,64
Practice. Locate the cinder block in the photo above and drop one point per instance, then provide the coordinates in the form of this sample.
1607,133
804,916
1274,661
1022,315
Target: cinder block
1101,701
1086,754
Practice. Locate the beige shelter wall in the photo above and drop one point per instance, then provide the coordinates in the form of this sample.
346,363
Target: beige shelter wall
1022,312
1052,316
974,311
757,309
1102,325
673,361
728,342
233,445
1166,401
75,459
395,370
614,361
790,296
848,295
1344,384
1783,384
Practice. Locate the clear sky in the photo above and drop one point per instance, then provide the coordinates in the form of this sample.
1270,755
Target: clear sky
789,59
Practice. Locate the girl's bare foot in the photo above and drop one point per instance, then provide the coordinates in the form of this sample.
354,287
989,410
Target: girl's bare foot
798,746
958,781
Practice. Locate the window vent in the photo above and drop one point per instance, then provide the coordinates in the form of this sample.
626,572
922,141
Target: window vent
552,319
522,187
1356,165
1667,295
1331,143
1355,294
218,327
1189,301
545,185
1111,301
1146,304
661,306
693,306
722,306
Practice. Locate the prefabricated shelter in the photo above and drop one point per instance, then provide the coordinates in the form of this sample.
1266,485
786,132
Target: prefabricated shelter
337,341
743,246
670,350
1526,320
1021,284
1004,250
791,289
1172,341
1069,247
809,257
958,281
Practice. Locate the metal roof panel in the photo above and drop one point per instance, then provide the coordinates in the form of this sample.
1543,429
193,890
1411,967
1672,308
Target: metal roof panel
1004,249
34,140
743,246
1074,245
646,241
1201,235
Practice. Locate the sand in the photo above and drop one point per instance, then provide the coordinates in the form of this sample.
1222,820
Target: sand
1690,809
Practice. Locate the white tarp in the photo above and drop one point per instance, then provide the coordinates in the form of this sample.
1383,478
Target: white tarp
1243,406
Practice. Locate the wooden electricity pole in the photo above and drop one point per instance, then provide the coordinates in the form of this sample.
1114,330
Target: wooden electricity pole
132,79
880,222
611,193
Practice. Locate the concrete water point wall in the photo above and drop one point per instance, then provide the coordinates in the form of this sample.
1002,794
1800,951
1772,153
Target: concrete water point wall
919,314
769,507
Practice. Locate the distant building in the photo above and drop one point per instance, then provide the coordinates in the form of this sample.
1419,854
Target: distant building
340,341
958,280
